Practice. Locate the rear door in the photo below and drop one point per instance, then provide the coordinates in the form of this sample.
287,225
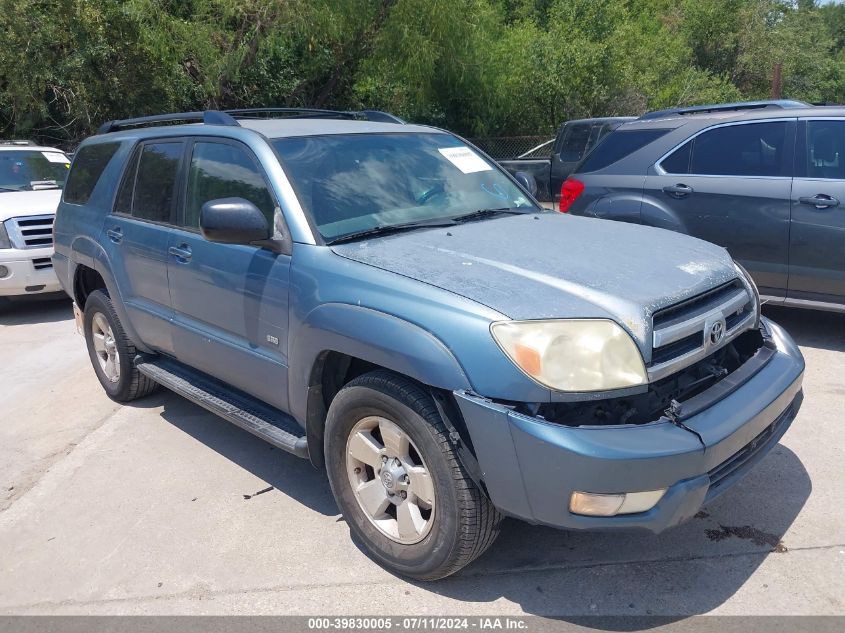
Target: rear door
731,185
817,245
230,300
137,233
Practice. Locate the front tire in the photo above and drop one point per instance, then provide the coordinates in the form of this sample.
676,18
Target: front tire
398,482
111,352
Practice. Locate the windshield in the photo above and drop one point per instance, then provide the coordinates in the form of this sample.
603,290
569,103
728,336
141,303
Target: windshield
26,170
356,182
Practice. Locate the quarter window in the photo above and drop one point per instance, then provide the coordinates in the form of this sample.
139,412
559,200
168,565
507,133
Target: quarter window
752,149
221,170
155,183
826,149
88,166
678,161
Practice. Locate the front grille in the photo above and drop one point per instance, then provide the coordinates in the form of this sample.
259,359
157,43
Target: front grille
681,333
42,263
31,232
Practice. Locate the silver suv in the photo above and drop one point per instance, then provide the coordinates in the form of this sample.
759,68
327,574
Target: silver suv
764,180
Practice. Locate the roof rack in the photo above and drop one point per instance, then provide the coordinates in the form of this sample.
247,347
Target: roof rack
19,143
230,117
725,107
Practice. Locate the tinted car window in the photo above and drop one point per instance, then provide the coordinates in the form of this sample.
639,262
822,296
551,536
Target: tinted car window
88,165
825,152
575,142
224,171
616,146
123,202
753,149
678,161
156,181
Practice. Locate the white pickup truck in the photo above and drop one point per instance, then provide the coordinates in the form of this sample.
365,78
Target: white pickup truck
31,180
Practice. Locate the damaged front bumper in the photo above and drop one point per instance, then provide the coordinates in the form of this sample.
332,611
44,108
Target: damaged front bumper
530,466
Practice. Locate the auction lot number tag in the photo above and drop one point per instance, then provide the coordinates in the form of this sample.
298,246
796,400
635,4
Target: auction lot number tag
464,159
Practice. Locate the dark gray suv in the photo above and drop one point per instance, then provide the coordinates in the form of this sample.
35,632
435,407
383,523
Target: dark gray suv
765,182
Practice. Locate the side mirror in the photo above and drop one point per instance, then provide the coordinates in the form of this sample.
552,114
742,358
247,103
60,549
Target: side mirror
527,180
233,221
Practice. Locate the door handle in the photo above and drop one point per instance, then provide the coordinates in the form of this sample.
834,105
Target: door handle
678,191
181,252
820,201
115,235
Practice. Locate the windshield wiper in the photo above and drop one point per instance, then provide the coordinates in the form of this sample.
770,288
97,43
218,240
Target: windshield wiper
388,229
9,189
486,213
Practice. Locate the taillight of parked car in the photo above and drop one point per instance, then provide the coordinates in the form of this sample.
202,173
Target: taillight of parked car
569,192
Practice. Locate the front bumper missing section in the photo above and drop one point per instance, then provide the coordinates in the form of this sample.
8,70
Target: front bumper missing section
531,466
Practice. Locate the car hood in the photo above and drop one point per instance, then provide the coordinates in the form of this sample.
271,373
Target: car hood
549,265
16,204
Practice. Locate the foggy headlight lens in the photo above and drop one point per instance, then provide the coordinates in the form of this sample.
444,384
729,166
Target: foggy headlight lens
573,355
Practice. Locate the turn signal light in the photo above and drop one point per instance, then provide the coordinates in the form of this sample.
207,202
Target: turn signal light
608,505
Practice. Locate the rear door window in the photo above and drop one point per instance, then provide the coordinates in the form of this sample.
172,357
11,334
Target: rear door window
575,142
88,165
616,146
750,149
155,182
825,152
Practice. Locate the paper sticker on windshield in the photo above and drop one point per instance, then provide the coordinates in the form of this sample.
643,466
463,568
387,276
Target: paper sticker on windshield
465,159
55,157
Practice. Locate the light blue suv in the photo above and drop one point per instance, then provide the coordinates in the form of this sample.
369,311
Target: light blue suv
383,299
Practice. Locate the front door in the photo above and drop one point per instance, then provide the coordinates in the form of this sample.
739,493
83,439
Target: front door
137,234
817,245
230,300
730,185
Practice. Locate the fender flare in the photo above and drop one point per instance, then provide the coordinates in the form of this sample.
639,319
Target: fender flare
369,335
86,252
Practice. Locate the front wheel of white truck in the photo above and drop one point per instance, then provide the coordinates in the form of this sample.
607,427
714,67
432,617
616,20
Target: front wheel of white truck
397,481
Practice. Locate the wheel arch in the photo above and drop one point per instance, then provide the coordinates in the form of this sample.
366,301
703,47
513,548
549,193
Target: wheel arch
339,342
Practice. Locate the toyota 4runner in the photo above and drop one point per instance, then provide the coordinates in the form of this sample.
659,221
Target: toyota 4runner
384,300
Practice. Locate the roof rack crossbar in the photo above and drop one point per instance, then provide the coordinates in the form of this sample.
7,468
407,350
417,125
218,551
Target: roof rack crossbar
209,117
725,107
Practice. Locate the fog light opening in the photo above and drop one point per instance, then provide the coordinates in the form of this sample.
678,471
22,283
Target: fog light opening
608,505
4,272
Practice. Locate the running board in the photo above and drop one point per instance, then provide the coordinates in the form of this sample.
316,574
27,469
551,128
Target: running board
250,414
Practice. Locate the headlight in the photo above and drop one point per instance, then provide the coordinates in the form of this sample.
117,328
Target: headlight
4,237
573,355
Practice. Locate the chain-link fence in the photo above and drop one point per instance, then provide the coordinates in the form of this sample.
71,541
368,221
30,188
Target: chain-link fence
511,147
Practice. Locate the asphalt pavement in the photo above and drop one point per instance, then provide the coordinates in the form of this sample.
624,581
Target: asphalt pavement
159,507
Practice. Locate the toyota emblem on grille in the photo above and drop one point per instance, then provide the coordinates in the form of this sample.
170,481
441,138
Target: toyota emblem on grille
716,333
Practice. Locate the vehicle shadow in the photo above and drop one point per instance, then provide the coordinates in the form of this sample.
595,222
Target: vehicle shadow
811,328
607,581
32,310
622,577
293,476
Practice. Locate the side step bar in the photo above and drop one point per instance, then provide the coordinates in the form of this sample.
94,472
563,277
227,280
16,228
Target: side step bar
251,415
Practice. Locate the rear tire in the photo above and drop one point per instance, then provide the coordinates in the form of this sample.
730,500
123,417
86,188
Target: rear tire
450,521
111,352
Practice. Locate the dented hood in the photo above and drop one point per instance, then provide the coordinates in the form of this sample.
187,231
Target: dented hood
549,265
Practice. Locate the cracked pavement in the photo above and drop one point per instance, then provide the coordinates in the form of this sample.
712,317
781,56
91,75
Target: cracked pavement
154,508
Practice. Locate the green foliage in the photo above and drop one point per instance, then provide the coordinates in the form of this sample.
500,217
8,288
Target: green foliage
480,67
